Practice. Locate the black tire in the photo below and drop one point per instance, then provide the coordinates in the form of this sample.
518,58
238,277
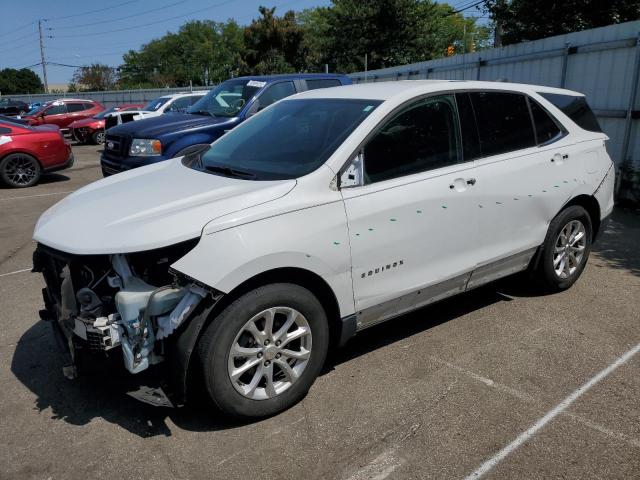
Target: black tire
216,342
20,170
545,272
97,137
192,149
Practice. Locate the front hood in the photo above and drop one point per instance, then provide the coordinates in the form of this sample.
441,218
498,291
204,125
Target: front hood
146,208
87,122
155,127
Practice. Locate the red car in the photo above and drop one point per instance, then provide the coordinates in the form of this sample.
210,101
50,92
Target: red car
63,112
92,129
26,152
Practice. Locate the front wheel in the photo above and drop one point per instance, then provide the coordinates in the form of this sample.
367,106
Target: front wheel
263,352
98,137
566,249
20,170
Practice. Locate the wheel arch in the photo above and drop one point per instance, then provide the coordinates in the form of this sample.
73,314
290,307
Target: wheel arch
591,205
24,152
182,368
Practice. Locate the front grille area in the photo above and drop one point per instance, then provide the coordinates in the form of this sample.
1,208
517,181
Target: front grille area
116,146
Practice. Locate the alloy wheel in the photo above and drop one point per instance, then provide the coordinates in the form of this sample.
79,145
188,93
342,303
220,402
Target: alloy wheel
20,170
569,249
269,353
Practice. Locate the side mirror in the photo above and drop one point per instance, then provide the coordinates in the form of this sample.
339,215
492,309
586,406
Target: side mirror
353,175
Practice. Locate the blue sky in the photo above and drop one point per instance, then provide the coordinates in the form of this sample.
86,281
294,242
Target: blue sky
78,38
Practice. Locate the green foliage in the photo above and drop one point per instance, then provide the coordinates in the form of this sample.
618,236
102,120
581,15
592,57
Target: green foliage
390,32
273,44
202,52
14,81
522,20
94,77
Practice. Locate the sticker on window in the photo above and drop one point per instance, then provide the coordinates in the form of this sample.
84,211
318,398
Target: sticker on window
256,83
367,108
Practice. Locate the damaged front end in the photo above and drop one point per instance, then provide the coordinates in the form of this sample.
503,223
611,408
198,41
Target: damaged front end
129,305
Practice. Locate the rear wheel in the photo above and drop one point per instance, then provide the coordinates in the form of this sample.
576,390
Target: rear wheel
20,170
264,351
98,137
566,249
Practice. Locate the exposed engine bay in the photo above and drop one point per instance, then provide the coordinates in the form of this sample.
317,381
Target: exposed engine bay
122,302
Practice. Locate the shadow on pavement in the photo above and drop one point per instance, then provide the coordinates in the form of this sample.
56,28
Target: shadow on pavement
619,244
102,391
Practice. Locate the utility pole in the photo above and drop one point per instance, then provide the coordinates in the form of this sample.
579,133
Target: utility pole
44,64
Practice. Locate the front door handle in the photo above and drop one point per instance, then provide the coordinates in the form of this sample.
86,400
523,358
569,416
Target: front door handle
471,181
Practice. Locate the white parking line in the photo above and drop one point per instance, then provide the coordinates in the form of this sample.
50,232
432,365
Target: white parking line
34,196
557,410
17,271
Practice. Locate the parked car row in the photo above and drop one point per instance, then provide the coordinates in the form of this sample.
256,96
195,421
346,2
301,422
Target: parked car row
238,264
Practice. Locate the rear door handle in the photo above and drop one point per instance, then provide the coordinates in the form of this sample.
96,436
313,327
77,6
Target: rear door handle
559,157
471,181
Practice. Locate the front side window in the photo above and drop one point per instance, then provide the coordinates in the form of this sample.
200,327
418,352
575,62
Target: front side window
290,140
504,123
422,137
56,110
276,92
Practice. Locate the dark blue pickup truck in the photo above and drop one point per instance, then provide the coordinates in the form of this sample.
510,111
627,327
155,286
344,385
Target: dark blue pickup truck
152,140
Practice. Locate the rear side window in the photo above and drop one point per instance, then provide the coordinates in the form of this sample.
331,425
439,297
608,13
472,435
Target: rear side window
322,83
503,120
422,137
547,129
576,108
75,107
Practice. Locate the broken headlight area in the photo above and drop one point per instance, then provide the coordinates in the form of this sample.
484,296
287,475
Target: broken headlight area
127,302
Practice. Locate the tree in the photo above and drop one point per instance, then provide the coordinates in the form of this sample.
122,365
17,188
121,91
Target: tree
202,52
274,44
14,81
521,20
96,76
390,32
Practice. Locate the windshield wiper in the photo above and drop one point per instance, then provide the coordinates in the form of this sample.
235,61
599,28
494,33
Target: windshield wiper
202,112
230,172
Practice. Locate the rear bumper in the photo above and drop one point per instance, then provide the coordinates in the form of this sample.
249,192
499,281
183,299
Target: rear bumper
68,164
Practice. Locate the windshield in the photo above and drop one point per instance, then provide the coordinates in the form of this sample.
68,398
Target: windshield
289,140
228,98
102,114
155,104
37,109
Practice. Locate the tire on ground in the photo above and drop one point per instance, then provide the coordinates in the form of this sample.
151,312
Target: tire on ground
545,272
215,344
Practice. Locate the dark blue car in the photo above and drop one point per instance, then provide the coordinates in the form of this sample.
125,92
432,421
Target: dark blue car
152,140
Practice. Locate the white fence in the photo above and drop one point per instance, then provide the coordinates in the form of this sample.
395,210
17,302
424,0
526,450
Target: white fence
602,63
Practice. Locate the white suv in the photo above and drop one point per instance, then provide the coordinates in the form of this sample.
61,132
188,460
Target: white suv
326,213
177,102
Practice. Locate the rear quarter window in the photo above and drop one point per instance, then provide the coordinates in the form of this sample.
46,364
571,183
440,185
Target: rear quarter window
576,108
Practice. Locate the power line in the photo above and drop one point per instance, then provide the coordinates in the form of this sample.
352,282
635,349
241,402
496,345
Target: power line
16,29
468,7
147,24
55,19
109,20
